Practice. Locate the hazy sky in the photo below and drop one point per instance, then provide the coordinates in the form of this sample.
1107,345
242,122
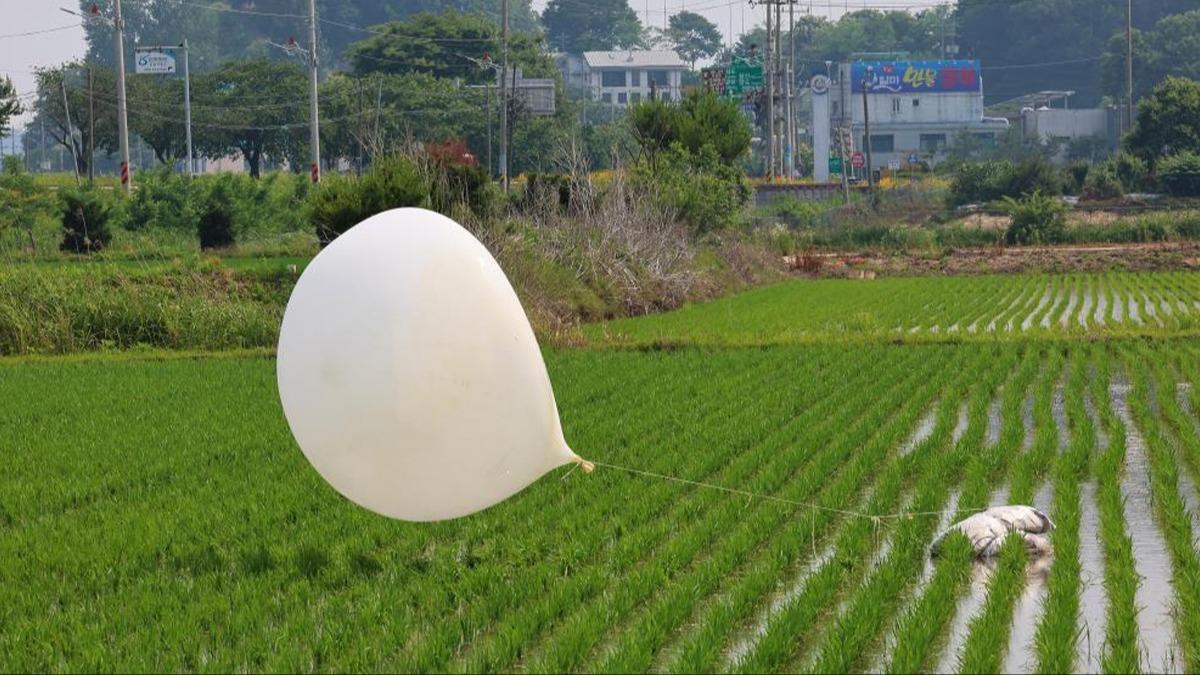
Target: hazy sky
20,54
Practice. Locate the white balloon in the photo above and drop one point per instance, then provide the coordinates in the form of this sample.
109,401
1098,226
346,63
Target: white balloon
409,374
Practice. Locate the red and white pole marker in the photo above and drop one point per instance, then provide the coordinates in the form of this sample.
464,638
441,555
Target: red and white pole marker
314,172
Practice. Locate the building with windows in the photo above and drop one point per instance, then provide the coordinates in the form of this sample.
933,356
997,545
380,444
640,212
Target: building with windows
627,76
915,107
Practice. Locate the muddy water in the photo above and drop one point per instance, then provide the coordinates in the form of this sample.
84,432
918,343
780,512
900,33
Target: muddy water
1058,299
1022,652
1135,314
994,422
1085,312
1117,311
1028,320
1154,594
1093,601
968,606
1101,306
746,643
923,431
881,659
991,327
1069,311
960,425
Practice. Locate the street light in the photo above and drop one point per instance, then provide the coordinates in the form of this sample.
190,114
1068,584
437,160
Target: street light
292,48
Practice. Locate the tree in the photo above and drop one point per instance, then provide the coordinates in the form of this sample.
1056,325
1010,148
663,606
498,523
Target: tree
1170,48
49,109
701,120
156,114
693,36
10,105
257,107
1168,122
220,30
577,26
1054,42
446,45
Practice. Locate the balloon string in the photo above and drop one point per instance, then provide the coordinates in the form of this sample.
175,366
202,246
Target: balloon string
772,498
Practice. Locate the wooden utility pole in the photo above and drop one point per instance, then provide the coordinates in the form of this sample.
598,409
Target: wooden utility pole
770,75
504,94
867,132
1129,63
91,149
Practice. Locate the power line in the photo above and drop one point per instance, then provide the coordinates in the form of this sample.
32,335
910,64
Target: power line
39,32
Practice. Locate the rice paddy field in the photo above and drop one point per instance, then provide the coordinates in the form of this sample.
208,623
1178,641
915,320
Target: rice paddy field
156,515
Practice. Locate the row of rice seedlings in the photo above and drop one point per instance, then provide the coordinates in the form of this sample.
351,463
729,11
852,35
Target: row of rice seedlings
848,642
917,630
982,313
119,519
982,474
990,631
1121,649
496,631
701,648
1057,631
582,521
636,577
1168,522
1173,438
785,632
950,307
640,639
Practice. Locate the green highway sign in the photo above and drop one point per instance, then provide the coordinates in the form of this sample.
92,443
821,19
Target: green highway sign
835,165
743,76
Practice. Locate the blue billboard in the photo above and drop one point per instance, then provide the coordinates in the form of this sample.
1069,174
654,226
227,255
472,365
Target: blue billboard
895,77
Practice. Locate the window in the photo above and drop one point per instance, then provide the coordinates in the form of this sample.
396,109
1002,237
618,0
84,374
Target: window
635,78
661,78
635,97
834,108
612,78
916,102
881,143
622,98
606,97
933,142
987,140
895,106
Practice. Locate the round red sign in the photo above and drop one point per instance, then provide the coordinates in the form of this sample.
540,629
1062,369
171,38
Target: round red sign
858,160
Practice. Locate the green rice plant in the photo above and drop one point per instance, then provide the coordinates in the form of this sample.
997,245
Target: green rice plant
990,630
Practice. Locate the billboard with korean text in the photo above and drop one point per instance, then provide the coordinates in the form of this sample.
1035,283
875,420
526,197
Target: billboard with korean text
884,77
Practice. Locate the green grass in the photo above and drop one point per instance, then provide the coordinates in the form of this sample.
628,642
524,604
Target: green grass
155,513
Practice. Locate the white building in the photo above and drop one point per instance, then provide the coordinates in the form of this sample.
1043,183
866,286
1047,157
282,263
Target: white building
915,108
627,76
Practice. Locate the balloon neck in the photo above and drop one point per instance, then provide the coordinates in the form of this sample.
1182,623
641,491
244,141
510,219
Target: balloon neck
587,466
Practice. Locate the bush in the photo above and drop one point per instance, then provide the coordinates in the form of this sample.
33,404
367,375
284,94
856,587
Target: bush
1130,170
698,190
341,202
1077,174
1102,183
165,199
1036,219
1033,175
216,222
463,184
979,182
1180,174
85,220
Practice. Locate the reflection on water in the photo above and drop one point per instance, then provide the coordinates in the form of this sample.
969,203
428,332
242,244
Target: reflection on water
1154,594
1093,619
1022,655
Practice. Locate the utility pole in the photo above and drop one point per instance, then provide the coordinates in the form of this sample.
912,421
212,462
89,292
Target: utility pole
70,133
791,91
770,102
43,162
504,95
122,112
91,149
867,133
314,129
1129,64
487,103
187,108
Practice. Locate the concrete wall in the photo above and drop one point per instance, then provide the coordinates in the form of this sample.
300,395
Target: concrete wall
1068,123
